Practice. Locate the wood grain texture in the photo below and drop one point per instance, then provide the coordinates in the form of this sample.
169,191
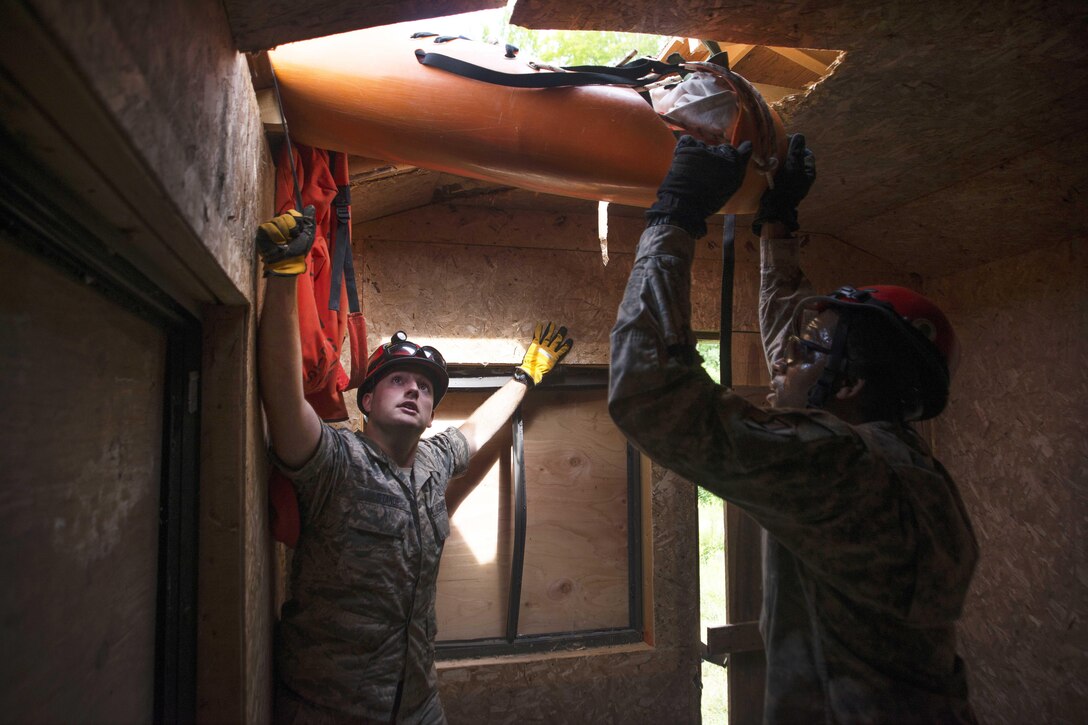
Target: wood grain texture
262,25
172,128
1013,439
640,685
474,576
576,554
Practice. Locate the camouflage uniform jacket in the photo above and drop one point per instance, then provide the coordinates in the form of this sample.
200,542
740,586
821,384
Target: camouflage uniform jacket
868,550
361,617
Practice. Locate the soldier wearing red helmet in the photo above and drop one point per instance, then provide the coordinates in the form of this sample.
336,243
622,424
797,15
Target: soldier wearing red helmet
356,639
868,550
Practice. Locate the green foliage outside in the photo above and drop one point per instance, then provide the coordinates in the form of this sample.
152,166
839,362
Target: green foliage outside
715,710
708,350
572,47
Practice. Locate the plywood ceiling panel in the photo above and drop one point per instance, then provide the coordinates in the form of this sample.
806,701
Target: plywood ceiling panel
263,24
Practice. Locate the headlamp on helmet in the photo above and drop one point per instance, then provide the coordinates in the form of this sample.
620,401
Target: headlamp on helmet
400,353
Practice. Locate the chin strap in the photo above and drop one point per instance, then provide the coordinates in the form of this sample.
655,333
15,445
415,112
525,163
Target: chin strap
824,388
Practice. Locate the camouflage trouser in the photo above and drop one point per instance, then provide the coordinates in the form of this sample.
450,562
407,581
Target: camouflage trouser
290,709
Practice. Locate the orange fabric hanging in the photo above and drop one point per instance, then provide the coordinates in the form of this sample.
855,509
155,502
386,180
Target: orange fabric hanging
322,326
327,288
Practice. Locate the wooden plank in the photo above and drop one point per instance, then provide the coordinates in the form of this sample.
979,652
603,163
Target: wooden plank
773,94
474,577
737,51
801,58
732,638
229,541
62,122
576,558
744,599
260,24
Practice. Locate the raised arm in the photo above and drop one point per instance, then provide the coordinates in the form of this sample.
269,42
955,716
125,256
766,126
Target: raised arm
656,383
293,425
550,345
492,415
782,283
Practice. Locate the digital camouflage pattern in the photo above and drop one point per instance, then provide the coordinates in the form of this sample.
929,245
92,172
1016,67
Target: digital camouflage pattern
868,550
362,614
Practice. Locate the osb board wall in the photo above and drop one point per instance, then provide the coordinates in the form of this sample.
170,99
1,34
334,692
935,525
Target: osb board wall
169,74
1013,437
180,103
474,280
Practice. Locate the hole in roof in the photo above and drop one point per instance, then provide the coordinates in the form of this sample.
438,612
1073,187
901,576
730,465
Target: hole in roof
777,72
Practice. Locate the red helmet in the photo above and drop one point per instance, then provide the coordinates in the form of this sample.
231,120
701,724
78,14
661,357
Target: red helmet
922,325
402,354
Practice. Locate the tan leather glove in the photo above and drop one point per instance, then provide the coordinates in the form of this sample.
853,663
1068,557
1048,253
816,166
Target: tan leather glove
549,345
284,242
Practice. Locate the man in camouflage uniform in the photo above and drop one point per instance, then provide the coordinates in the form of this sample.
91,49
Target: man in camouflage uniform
357,637
868,551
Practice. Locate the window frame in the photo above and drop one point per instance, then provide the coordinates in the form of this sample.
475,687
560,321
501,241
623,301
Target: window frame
479,378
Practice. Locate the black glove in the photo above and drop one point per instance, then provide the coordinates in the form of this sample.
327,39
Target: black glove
700,181
284,242
791,184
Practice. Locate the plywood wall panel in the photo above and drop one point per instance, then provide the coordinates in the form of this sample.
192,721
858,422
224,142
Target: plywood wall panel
480,305
474,575
449,273
1013,438
171,79
576,557
637,685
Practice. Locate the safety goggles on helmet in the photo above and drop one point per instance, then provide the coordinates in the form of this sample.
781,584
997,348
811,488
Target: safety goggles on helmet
797,349
402,353
916,310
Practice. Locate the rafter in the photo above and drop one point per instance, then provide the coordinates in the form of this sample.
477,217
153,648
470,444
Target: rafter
737,51
801,58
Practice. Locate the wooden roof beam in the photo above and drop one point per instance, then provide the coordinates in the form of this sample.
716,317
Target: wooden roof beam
801,58
737,51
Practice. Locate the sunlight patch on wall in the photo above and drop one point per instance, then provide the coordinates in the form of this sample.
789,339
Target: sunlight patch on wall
480,350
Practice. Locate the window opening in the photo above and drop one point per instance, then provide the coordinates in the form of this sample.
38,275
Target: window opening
555,563
712,567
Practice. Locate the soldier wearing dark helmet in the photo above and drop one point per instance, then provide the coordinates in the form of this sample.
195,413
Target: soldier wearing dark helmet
356,639
868,551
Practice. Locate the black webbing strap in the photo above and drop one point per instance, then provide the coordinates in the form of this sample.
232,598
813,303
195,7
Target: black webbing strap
631,75
521,513
287,140
725,330
343,269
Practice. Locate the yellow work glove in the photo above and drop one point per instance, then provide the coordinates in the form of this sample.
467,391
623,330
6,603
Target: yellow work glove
549,345
284,242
